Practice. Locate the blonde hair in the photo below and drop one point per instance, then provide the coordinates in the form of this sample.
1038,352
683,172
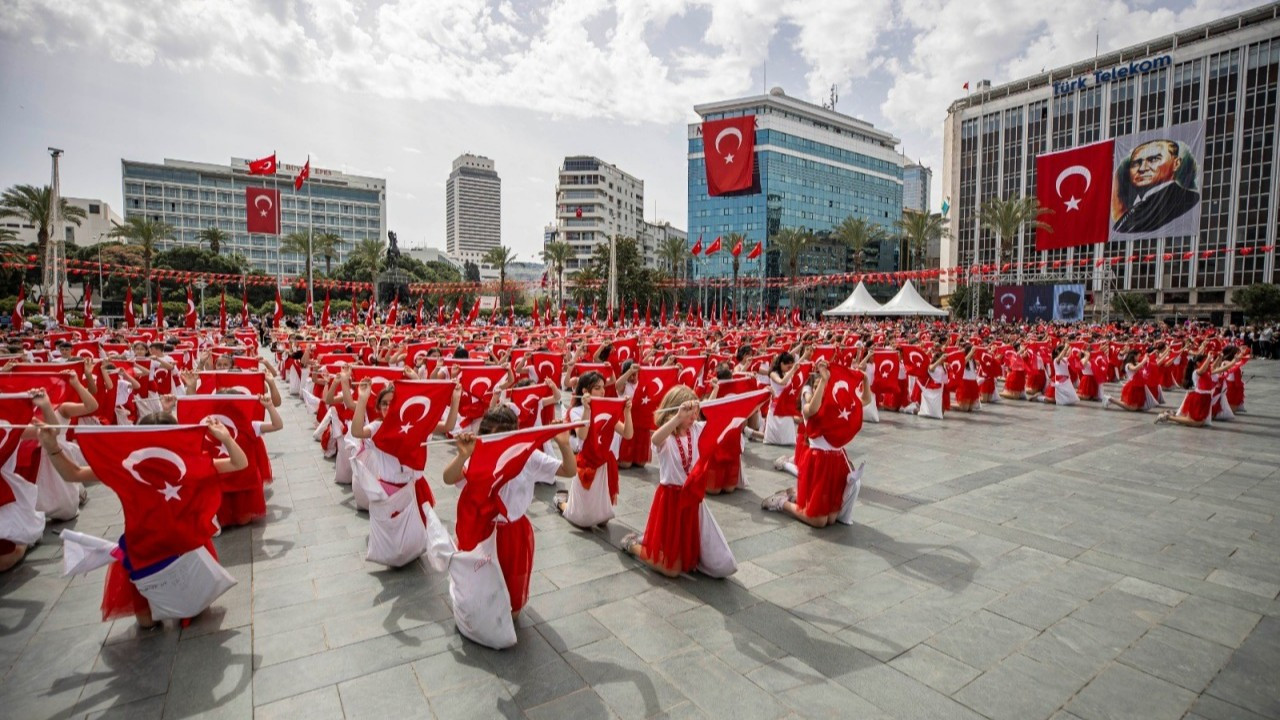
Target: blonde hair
671,402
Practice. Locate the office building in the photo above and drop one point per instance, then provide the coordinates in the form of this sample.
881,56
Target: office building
1217,81
814,167
653,237
916,180
595,201
473,208
192,196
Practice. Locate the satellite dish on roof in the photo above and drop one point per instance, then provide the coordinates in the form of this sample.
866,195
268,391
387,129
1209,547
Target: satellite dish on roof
775,90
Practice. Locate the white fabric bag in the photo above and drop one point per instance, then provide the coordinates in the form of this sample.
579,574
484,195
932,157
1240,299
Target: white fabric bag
55,497
477,588
84,553
931,402
851,488
588,508
871,411
20,522
715,559
1064,393
187,587
397,535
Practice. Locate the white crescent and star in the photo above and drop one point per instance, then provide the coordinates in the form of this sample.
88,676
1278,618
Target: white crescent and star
728,159
550,369
1008,299
511,453
420,401
1073,202
885,368
258,205
486,382
169,491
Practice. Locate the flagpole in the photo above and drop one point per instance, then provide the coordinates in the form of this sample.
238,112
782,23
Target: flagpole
310,232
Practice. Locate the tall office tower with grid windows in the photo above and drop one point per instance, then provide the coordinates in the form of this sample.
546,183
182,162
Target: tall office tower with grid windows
473,209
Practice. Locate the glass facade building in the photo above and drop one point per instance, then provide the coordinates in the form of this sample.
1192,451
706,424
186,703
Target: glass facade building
1223,74
193,196
916,180
814,167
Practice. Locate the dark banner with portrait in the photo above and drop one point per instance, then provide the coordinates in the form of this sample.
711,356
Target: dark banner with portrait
1008,303
1037,302
1156,188
1068,303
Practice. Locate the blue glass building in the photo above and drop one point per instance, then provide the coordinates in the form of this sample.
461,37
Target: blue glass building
814,167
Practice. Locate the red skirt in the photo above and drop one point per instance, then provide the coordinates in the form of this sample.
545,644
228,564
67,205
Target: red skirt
1196,405
1134,394
988,386
120,597
637,450
241,507
820,490
1088,388
515,557
724,474
1235,394
672,536
1035,381
1015,381
967,391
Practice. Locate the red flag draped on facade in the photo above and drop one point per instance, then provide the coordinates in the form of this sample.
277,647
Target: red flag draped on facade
728,150
129,320
263,166
167,486
1075,186
262,210
189,319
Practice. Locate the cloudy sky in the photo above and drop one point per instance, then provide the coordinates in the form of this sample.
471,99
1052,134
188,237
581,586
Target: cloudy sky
398,88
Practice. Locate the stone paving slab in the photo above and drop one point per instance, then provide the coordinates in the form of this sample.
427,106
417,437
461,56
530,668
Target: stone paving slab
1024,562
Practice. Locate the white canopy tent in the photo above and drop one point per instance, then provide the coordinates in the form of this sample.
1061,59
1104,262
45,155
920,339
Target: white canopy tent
858,303
909,302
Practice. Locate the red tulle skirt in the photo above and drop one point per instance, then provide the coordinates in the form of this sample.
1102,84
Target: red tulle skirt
1235,394
820,490
672,536
1134,394
1196,405
637,450
241,507
1088,388
120,597
1035,382
515,557
967,391
1015,381
888,399
988,386
724,474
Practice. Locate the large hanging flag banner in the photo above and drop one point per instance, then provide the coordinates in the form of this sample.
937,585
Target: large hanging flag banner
728,149
262,210
1157,182
1075,187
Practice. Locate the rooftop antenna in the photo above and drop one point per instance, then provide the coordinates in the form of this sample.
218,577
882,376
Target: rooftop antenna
832,100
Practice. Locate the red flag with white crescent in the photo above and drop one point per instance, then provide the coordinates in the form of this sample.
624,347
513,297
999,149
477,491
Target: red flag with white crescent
263,166
302,175
478,383
840,416
416,408
547,366
324,313
725,418
755,251
88,305
189,320
728,149
1075,186
278,315
129,319
652,384
237,413
244,305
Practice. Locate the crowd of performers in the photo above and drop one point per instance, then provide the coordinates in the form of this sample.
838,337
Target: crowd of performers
173,421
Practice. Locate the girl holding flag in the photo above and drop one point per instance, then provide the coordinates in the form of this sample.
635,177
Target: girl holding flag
590,498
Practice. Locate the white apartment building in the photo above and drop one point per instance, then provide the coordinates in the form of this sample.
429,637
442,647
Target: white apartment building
473,208
98,220
596,201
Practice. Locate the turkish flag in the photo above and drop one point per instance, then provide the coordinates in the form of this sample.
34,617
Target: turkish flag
887,365
953,361
475,312
54,384
244,306
19,310
652,384
1075,185
478,382
714,247
416,351
238,413
691,369
528,401
222,312
755,251
624,349
60,313
263,166
697,247
16,410
250,383
302,175
1008,305
189,320
496,460
547,366
724,420
278,315
88,305
166,482
913,356
324,314
129,319
606,413
840,416
393,313
310,314
736,250
262,210
728,149
416,408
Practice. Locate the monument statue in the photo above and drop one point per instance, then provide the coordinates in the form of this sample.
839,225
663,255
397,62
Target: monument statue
393,250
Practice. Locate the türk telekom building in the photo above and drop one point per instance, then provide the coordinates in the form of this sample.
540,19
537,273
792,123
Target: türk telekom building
1215,85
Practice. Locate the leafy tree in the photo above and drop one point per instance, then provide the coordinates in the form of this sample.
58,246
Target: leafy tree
635,283
858,234
30,204
674,252
499,257
471,272
327,245
963,295
584,290
556,255
1135,306
917,231
213,237
1005,217
1260,301
298,243
144,233
791,243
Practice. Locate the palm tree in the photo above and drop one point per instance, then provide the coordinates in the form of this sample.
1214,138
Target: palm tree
144,233
327,245
675,253
918,231
369,252
857,233
1005,217
584,284
500,257
213,236
31,204
791,243
732,240
298,243
556,254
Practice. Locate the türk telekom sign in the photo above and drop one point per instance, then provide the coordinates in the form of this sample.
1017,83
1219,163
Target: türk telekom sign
1119,72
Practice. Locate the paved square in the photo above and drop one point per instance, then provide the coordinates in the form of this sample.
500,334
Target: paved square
1024,562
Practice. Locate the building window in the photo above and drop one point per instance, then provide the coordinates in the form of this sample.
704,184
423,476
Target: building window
1186,91
1254,192
1090,115
1122,92
1063,119
1151,109
1219,150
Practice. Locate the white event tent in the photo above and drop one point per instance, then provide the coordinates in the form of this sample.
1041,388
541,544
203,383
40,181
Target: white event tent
906,303
859,302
